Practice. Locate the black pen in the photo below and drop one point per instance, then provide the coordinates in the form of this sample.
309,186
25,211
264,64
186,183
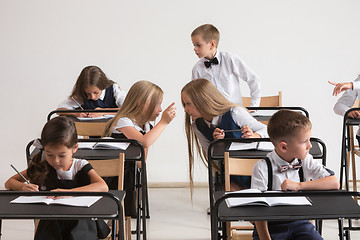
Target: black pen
233,130
26,181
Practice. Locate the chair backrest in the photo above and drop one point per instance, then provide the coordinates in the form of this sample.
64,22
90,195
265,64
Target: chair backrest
268,101
90,129
237,166
111,168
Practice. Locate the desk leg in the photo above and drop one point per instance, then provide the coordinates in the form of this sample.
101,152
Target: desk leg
341,228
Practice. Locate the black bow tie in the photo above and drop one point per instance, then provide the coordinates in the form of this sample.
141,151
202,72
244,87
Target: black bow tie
212,61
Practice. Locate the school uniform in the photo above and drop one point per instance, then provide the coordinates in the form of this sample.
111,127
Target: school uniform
226,75
347,100
235,118
238,118
76,176
311,170
111,97
130,167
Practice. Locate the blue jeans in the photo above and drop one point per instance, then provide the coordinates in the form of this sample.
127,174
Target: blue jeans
296,230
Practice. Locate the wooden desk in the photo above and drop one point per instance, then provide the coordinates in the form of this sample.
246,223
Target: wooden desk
108,207
341,204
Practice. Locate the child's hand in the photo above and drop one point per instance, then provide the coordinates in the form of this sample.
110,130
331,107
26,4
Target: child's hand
289,185
83,115
169,114
248,133
339,87
354,114
30,187
59,190
218,134
95,114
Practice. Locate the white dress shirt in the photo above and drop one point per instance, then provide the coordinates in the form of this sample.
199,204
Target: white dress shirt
241,117
347,100
76,166
312,169
119,96
226,76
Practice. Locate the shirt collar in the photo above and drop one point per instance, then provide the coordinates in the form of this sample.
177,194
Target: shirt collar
102,94
279,161
217,55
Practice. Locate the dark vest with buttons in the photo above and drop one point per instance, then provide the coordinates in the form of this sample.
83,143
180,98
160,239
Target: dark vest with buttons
226,123
108,101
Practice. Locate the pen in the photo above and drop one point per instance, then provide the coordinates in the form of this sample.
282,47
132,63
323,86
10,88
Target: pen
77,103
233,130
26,181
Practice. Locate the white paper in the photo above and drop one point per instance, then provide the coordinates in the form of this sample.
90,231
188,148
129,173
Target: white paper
261,146
85,201
95,118
265,201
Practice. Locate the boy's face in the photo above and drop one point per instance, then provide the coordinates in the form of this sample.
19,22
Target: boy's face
202,48
299,145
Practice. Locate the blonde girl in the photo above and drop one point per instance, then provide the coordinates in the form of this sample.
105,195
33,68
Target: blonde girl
141,105
93,90
55,169
207,114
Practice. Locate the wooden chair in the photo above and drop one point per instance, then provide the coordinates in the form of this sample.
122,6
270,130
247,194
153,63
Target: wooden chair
114,168
243,167
268,101
90,129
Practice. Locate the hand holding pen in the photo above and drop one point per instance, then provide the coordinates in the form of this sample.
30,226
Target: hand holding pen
80,114
27,186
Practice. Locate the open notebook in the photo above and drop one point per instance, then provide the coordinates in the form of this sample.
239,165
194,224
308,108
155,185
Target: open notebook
69,201
104,145
261,146
265,201
95,118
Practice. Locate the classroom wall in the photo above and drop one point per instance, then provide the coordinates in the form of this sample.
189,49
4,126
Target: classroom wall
294,46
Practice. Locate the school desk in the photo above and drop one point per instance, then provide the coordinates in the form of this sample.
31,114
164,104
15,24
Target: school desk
263,114
217,149
325,205
108,207
134,152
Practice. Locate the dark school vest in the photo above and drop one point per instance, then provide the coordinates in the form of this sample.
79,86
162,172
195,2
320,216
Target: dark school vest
226,123
108,101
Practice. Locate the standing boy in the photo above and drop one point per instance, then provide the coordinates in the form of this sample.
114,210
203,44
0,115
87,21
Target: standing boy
290,133
347,100
223,69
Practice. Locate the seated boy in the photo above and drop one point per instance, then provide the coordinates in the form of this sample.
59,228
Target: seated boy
292,168
223,69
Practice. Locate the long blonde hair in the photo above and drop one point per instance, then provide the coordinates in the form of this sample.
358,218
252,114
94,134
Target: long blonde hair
210,103
139,104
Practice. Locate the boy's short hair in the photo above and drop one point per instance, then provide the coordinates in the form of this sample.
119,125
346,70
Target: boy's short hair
285,123
208,32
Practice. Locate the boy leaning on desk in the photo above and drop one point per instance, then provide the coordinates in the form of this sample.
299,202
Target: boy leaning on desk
292,168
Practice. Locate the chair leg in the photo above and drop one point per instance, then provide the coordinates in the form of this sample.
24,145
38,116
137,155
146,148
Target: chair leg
146,197
0,226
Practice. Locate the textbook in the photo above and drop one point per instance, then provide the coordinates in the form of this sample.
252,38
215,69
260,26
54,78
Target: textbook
104,145
265,201
261,146
69,201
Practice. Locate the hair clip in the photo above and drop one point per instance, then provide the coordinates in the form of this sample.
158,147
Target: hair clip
37,144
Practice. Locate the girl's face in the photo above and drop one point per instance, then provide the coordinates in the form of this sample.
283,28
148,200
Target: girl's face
93,92
189,107
157,110
59,157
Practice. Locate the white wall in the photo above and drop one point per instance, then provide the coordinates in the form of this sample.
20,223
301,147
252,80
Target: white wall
295,46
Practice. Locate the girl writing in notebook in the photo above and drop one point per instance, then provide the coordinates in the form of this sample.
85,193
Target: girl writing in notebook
210,116
55,169
93,90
